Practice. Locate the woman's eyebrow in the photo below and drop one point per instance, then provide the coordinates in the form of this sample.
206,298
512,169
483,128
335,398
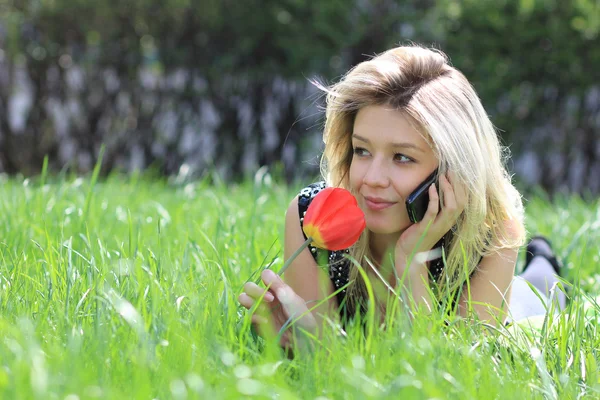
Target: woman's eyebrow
404,145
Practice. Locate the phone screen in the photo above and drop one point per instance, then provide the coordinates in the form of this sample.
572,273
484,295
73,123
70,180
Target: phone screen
418,200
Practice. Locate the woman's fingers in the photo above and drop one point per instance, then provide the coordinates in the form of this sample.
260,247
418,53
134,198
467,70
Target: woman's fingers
293,305
256,292
459,190
284,303
259,320
449,199
433,207
276,285
246,300
454,199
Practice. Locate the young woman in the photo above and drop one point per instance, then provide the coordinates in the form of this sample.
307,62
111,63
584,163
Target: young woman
390,123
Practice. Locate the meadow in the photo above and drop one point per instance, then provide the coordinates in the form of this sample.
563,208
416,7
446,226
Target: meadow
126,288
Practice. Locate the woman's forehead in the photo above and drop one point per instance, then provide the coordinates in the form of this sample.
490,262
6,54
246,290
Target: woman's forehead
383,123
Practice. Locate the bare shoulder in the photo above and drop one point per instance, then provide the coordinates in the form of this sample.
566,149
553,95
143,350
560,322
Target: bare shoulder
514,230
291,215
491,284
505,258
294,236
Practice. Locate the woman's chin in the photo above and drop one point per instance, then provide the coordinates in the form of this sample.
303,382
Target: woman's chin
385,228
379,231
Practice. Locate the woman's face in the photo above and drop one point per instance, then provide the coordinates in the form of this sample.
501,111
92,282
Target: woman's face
390,160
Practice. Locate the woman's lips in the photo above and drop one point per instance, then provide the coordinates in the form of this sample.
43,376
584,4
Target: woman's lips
377,204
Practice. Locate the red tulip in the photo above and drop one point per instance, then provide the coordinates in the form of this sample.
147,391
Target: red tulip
333,220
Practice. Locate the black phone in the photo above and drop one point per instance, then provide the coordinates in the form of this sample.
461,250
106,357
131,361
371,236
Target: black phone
418,200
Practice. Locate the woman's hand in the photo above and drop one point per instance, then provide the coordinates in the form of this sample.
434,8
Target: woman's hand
420,238
279,304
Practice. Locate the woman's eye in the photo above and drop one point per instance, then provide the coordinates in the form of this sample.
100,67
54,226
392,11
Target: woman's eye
402,158
359,151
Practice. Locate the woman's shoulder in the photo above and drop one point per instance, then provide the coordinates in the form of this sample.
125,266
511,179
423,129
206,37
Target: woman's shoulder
306,196
299,204
509,234
309,192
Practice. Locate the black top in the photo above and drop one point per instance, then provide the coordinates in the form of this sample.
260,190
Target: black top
338,265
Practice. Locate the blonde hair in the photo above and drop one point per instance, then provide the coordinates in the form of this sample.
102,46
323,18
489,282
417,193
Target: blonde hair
422,84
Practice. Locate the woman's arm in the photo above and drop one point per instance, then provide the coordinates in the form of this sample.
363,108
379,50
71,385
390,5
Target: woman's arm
415,283
305,286
303,275
490,285
489,288
486,294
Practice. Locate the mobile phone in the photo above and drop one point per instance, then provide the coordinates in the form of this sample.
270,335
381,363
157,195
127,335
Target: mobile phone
418,200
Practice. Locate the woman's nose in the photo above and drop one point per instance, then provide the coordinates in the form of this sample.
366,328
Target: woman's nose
376,175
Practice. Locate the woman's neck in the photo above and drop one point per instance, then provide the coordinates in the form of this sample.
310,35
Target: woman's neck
381,244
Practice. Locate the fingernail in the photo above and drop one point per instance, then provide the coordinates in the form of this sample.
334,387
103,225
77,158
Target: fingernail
269,297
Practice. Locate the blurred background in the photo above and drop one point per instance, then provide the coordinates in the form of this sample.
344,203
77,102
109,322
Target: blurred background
183,86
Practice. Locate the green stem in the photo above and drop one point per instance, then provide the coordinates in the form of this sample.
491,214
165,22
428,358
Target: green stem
293,257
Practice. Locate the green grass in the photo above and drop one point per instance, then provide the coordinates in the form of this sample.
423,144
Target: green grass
127,288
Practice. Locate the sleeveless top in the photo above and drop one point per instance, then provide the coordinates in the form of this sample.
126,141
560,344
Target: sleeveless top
338,265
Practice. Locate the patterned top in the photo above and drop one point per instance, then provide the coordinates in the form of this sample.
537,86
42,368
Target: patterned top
339,266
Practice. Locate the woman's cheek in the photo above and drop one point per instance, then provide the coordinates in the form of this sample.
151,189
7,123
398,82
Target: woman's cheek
355,178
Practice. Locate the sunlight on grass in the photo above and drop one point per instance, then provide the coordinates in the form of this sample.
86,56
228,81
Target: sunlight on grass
127,287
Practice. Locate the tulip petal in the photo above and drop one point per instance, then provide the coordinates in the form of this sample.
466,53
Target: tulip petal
333,220
339,234
312,231
329,204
